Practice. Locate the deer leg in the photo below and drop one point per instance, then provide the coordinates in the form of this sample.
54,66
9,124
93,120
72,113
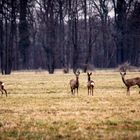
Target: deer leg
5,91
128,90
1,92
139,87
71,91
88,91
77,91
92,91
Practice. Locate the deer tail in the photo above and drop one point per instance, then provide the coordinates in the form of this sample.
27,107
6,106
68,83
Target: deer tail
2,84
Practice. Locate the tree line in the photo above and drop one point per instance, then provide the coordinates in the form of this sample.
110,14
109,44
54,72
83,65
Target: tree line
50,34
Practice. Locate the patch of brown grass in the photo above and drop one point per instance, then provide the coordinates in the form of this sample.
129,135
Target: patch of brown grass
40,106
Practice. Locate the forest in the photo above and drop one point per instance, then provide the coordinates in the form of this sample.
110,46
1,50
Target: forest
68,34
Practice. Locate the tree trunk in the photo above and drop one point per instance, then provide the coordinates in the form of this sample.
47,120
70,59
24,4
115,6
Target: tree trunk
89,46
1,37
75,37
24,41
121,23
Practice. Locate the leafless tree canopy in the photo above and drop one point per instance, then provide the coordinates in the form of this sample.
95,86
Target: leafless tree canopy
50,34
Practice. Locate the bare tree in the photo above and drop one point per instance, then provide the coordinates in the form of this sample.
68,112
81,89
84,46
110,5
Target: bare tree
1,36
122,10
24,41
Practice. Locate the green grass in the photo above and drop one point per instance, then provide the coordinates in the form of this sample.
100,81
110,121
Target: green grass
40,106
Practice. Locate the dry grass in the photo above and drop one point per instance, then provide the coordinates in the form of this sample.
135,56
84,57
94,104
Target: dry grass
40,106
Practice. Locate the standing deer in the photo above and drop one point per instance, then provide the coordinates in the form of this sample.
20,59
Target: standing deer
90,84
2,88
130,82
74,84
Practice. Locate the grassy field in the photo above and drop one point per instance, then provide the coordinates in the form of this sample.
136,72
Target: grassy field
40,106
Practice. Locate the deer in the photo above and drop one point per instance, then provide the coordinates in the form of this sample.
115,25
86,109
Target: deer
2,88
130,82
74,83
90,84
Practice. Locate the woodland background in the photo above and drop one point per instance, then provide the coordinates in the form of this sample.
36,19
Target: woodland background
64,34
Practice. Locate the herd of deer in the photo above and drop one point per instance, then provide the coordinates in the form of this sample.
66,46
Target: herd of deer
74,83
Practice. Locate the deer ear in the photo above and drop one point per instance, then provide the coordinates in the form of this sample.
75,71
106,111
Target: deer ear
91,73
125,73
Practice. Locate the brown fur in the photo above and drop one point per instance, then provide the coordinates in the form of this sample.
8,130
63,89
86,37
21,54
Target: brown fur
74,84
130,82
90,84
2,88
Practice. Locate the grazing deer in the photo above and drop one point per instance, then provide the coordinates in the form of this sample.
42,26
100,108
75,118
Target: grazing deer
74,84
130,82
2,88
90,84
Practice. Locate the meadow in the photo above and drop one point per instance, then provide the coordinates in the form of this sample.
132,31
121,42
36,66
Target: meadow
40,106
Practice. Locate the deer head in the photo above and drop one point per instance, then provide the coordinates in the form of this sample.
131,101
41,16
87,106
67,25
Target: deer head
89,74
